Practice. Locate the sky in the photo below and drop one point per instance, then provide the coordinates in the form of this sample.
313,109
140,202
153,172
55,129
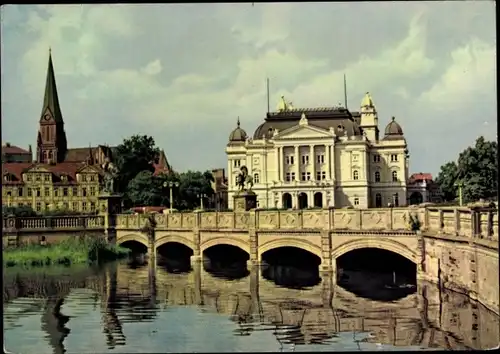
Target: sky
183,73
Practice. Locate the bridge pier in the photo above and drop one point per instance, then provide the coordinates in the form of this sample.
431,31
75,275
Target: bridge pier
195,261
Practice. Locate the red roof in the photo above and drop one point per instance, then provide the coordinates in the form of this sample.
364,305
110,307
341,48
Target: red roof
162,166
12,149
420,177
69,169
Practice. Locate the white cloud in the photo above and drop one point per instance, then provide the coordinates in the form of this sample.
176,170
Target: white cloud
190,69
153,68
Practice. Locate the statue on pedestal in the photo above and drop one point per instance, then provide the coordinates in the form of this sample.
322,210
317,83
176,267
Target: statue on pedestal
245,181
110,175
245,199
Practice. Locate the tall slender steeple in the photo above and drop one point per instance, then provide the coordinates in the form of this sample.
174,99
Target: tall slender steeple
51,141
51,99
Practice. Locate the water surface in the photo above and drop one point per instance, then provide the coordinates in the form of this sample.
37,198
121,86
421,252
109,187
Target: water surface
124,308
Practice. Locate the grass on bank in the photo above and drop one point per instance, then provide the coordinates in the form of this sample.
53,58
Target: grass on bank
68,252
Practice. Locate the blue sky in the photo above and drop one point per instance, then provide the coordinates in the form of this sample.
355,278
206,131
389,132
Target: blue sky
183,73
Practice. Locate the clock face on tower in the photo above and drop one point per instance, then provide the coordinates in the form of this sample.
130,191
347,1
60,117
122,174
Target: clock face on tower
46,117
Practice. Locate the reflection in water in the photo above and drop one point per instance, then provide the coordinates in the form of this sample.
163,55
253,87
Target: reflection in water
188,312
291,277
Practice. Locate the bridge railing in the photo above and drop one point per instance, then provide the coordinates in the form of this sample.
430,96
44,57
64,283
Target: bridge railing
465,222
33,224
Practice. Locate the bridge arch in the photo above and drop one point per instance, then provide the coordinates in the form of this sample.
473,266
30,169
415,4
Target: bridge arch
384,244
289,242
243,245
174,238
142,239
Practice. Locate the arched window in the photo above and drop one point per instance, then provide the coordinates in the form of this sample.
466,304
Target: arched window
355,175
377,176
394,176
255,178
378,200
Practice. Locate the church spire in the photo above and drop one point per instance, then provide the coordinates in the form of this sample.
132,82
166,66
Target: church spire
51,99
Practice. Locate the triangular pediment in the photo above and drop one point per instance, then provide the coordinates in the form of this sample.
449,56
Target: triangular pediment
37,169
88,169
302,132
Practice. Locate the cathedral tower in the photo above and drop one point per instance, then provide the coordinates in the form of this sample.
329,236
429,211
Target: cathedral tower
51,141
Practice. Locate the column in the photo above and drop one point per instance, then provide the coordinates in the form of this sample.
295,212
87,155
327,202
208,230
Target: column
277,162
297,163
280,164
312,161
328,163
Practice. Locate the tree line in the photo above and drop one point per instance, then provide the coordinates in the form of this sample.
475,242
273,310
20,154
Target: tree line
476,169
135,159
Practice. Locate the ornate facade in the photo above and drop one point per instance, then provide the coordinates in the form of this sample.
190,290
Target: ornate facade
321,157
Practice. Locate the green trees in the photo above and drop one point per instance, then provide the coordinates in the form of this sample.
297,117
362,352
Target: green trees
135,158
476,169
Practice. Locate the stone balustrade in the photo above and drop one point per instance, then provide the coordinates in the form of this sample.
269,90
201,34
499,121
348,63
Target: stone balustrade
55,223
465,222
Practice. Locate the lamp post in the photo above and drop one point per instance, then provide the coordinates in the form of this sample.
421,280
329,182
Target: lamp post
171,186
201,196
459,184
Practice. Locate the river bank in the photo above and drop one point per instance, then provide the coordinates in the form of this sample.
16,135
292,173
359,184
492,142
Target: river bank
69,252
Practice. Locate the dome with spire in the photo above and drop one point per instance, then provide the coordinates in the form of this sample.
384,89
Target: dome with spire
238,134
393,128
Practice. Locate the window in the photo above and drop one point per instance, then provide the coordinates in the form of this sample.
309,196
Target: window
305,159
394,158
47,192
75,205
38,177
306,176
92,190
290,176
65,192
46,178
84,178
92,178
320,158
66,205
28,178
236,180
38,206
20,191
6,178
30,192
293,176
289,159
318,175
377,176
356,201
237,163
355,175
323,174
50,153
84,192
38,192
303,176
376,158
394,176
256,178
9,194
92,206
395,200
378,200
75,191
84,206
